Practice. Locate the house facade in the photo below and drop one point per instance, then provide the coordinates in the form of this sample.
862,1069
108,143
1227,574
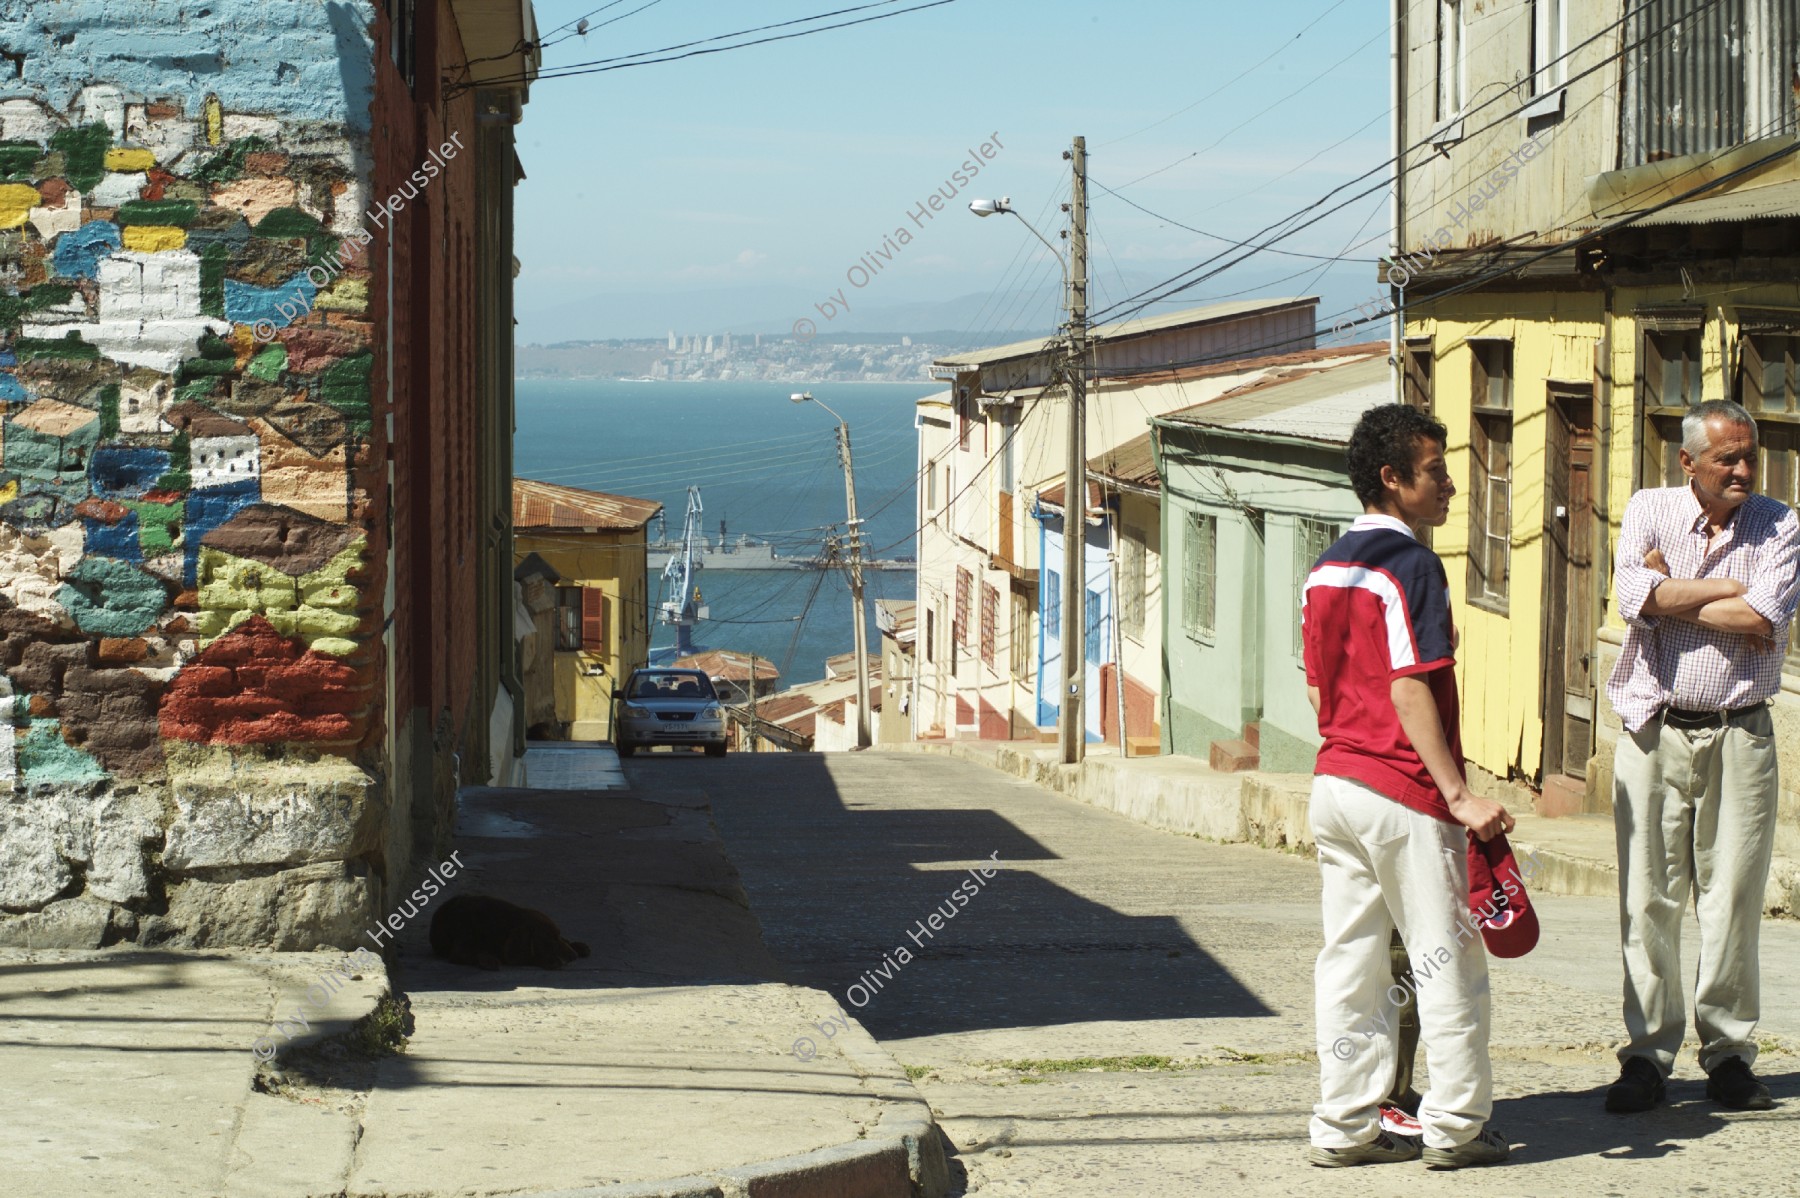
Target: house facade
254,382
1254,489
598,548
1597,231
987,446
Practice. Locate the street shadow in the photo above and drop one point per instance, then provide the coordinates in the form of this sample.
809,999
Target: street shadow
1565,1124
918,922
845,896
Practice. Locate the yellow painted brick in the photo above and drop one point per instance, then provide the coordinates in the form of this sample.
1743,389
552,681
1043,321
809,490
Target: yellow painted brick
129,160
153,239
16,202
346,295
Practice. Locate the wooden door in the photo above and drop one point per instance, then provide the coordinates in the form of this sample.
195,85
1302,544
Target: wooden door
1569,539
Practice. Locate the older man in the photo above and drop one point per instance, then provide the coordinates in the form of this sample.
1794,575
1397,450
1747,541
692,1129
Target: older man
1705,579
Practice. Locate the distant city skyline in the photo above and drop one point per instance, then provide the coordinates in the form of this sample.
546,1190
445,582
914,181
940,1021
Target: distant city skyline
752,182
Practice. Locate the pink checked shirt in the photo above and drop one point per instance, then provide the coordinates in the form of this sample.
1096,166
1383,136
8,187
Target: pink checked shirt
1677,662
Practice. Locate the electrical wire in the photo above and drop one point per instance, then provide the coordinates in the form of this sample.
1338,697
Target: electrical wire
643,59
1400,159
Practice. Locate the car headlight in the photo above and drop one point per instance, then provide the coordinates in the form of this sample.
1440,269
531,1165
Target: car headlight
636,712
711,711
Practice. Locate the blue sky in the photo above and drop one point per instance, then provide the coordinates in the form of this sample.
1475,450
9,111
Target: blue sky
755,179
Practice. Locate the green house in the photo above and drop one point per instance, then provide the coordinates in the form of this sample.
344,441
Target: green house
1254,489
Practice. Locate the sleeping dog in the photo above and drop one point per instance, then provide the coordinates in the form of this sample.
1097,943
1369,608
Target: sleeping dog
480,930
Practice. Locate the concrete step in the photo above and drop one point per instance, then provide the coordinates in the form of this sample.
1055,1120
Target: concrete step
1233,756
1253,735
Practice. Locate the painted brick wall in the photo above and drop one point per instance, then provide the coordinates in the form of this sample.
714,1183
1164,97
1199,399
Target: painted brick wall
194,342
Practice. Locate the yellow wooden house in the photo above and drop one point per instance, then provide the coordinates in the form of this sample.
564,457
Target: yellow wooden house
599,623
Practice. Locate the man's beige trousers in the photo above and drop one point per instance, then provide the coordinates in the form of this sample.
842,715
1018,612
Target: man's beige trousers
1694,809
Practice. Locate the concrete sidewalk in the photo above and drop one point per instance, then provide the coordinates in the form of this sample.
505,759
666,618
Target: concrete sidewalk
1576,854
673,1061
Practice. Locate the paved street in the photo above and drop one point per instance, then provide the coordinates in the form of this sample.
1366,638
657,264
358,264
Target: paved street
1099,938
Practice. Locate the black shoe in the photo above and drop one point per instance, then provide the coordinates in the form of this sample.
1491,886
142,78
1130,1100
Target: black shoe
1733,1085
1640,1086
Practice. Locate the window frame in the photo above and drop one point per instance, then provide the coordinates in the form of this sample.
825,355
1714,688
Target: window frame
1660,436
990,620
1134,582
1308,547
1489,532
1452,59
965,598
1549,46
1196,573
1019,650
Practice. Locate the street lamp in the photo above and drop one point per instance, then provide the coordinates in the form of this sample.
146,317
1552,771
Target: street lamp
1004,204
856,578
1071,728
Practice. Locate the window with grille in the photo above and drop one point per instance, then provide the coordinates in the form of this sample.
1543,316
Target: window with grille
1490,475
1199,574
1021,637
990,621
959,625
1096,630
1132,584
1670,381
1052,604
1311,539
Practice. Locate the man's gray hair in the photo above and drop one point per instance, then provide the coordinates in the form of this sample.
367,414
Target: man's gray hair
1694,437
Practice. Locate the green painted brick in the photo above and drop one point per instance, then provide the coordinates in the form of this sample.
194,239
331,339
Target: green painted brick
179,213
84,153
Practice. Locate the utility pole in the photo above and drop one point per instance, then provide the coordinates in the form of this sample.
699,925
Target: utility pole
856,564
856,590
753,703
1071,728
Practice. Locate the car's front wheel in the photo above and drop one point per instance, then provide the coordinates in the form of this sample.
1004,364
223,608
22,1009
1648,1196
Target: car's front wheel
625,747
715,750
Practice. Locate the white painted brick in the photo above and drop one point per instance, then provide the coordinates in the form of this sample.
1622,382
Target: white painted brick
119,188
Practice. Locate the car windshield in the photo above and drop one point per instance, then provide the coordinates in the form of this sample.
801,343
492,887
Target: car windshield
671,686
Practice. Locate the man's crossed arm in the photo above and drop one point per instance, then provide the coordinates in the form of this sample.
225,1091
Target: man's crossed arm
1715,603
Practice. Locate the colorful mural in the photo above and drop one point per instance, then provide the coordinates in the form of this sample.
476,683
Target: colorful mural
183,550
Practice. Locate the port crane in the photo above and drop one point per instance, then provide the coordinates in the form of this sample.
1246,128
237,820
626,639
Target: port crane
681,605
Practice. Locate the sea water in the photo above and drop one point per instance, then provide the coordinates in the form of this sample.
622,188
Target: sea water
767,467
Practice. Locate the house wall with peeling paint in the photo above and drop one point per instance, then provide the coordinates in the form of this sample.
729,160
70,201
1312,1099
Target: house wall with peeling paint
194,743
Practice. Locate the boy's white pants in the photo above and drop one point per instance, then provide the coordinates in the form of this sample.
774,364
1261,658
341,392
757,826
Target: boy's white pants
1385,865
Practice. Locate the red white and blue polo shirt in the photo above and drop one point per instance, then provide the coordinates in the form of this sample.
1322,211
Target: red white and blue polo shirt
1376,608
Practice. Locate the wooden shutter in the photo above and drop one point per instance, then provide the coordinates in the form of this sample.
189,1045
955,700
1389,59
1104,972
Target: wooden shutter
593,620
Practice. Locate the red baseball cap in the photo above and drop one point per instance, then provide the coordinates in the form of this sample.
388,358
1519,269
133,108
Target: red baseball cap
1497,898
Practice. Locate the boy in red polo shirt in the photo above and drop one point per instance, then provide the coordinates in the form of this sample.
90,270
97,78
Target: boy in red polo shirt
1389,805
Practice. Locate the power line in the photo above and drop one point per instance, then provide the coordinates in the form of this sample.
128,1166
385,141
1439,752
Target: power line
1391,161
643,58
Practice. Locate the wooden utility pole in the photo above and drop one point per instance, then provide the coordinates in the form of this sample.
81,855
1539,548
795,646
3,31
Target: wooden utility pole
753,703
856,591
1071,727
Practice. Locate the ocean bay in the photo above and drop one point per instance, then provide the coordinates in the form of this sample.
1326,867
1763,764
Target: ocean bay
767,468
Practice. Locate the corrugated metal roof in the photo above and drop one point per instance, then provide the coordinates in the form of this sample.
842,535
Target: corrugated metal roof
547,505
1121,330
1779,200
1321,406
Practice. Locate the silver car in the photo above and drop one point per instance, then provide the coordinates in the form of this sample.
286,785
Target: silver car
668,707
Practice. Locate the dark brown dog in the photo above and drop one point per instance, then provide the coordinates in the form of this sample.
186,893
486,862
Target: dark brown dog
480,930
